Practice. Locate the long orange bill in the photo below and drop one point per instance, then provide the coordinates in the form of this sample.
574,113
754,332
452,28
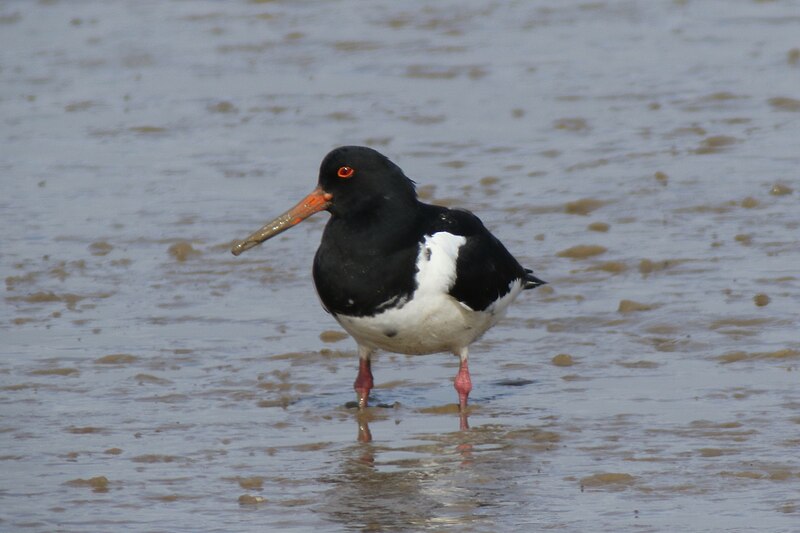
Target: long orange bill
314,202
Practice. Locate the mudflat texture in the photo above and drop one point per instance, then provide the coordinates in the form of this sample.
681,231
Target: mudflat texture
642,157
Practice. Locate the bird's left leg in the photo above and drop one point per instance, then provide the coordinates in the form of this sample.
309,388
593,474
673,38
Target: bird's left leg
364,382
463,383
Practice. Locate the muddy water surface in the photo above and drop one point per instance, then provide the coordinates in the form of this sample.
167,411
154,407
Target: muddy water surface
641,156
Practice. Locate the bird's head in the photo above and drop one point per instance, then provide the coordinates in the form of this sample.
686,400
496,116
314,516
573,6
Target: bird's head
354,182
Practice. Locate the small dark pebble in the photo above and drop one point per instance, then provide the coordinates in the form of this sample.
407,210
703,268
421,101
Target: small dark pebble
514,382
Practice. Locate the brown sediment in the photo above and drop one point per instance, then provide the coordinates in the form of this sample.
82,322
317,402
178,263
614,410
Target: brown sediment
788,508
742,326
116,359
182,251
149,378
782,103
648,266
629,306
601,227
608,479
550,153
761,300
571,124
248,499
638,364
716,209
332,336
434,72
426,192
222,107
737,356
97,484
780,189
715,452
147,129
357,46
55,372
575,377
583,206
563,359
714,144
336,354
746,474
585,165
49,296
739,322
455,163
84,430
250,483
100,248
749,202
170,498
446,409
13,281
688,130
81,105
613,267
155,458
582,251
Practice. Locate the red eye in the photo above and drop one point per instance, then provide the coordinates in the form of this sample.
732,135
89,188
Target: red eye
345,172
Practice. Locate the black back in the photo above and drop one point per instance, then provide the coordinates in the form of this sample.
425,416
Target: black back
484,268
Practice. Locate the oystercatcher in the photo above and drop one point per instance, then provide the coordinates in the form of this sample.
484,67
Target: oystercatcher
398,274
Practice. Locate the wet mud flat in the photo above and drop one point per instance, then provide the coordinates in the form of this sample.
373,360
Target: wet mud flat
640,156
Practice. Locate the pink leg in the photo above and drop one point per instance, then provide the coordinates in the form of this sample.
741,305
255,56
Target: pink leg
463,383
364,381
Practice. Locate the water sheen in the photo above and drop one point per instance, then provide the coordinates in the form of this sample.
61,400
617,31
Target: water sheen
641,156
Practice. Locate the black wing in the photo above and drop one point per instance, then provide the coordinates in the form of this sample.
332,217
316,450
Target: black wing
485,270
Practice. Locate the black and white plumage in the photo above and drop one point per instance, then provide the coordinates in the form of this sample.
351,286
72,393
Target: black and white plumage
399,274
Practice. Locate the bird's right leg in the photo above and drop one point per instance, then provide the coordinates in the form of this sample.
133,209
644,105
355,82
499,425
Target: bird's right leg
364,381
463,385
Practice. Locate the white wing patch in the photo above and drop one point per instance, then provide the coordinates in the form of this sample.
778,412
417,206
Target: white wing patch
436,263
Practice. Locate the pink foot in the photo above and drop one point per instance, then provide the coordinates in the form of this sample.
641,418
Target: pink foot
363,382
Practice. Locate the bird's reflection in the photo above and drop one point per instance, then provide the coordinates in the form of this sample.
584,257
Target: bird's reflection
405,482
364,416
362,419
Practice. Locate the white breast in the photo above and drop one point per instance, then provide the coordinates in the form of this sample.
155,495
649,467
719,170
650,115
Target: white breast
432,320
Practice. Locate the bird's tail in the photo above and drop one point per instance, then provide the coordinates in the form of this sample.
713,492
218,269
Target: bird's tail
531,281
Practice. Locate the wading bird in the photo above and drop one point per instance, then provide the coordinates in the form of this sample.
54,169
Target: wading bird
398,274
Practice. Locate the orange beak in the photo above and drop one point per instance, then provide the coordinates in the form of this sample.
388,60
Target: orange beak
314,202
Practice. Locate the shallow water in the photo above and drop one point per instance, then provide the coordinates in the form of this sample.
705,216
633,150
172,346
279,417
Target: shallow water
641,156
